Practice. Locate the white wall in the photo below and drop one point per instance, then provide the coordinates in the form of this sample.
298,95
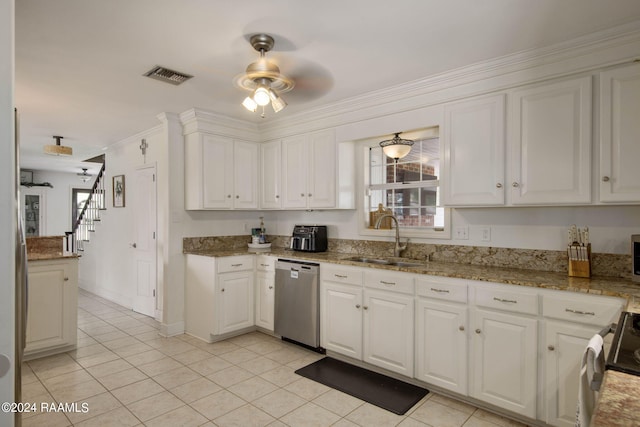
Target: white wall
58,198
8,206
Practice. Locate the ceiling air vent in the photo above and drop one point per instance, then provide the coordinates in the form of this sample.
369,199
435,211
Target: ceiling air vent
167,75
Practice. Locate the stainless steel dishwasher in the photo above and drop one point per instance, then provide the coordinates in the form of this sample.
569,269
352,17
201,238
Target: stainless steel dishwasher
297,302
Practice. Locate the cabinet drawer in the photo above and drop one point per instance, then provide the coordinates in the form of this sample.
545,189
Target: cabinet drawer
340,274
389,281
443,288
595,310
506,299
266,263
235,263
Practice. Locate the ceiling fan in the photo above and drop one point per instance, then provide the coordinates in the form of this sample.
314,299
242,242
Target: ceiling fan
263,79
84,176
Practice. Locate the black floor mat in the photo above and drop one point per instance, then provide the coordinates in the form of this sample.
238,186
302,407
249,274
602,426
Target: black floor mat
379,390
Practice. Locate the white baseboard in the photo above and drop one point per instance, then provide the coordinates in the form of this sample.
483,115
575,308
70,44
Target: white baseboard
172,329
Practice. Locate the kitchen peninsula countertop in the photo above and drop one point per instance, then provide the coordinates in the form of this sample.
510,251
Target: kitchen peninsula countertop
618,403
46,248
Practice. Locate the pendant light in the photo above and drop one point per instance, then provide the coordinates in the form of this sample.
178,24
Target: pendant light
57,149
396,147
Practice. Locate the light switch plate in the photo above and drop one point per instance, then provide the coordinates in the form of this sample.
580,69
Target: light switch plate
462,233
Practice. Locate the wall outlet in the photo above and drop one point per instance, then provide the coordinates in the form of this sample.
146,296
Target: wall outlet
462,233
486,234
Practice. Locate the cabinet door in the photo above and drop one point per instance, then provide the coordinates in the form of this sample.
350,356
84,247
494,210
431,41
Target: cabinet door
504,361
245,175
235,302
550,140
388,331
52,306
270,184
341,319
563,349
34,211
322,170
265,282
474,152
441,344
619,135
295,165
217,177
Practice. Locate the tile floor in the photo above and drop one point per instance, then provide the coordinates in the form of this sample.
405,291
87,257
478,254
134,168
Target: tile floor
130,376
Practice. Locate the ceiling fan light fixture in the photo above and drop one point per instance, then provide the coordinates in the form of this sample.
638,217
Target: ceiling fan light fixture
277,103
250,104
58,149
261,96
396,147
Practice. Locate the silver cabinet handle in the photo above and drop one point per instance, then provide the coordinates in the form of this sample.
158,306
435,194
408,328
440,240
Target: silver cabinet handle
478,331
301,194
550,347
264,265
446,291
505,300
228,196
340,276
310,194
66,279
515,185
498,185
133,245
357,305
222,290
387,283
277,197
365,307
605,179
236,265
270,287
237,196
588,313
461,328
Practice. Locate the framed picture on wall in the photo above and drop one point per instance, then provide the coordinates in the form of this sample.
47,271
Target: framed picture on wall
118,191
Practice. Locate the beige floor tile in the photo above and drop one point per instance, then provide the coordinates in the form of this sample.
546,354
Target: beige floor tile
281,376
89,350
496,419
120,417
122,378
372,416
27,374
146,336
85,341
96,330
137,391
307,389
222,347
159,366
191,356
121,342
53,366
305,360
35,392
176,377
412,422
97,359
310,415
265,347
245,416
154,406
287,355
251,338
74,392
145,357
259,365
279,402
110,336
252,388
184,416
210,365
218,404
55,419
141,329
437,414
109,368
61,381
97,405
452,403
240,355
338,402
345,423
170,346
195,390
230,376
133,349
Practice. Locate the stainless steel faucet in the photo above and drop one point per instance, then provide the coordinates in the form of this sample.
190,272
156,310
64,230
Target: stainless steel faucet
398,247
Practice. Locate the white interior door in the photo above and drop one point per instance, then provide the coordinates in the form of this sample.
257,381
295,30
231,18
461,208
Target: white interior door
144,245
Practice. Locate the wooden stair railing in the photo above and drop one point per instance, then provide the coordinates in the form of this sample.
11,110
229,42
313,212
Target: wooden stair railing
88,217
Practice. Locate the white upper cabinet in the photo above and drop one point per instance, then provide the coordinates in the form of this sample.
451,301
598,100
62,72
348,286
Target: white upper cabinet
550,143
270,179
474,152
220,173
620,135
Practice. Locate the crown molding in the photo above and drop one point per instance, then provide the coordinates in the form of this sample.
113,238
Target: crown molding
587,53
197,120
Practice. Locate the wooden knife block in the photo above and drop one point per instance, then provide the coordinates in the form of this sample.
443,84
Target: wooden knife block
578,268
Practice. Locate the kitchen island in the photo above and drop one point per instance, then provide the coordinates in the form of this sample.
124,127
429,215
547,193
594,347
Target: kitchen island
52,311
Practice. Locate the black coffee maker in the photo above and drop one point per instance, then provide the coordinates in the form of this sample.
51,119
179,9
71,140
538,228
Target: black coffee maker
309,238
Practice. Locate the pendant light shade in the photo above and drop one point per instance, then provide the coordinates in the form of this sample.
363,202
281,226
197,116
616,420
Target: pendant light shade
396,147
57,149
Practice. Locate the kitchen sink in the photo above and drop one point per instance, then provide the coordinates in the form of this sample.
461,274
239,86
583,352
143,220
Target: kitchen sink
380,261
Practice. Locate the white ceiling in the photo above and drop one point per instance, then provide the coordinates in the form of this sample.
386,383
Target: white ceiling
79,63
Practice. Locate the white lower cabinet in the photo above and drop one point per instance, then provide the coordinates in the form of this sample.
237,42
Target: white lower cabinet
265,288
568,326
52,307
441,333
219,295
369,324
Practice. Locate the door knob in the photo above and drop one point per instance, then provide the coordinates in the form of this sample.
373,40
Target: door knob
498,185
357,305
605,179
478,331
515,185
133,245
551,348
461,328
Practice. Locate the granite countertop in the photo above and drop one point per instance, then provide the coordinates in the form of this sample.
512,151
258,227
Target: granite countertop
609,286
49,256
618,403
